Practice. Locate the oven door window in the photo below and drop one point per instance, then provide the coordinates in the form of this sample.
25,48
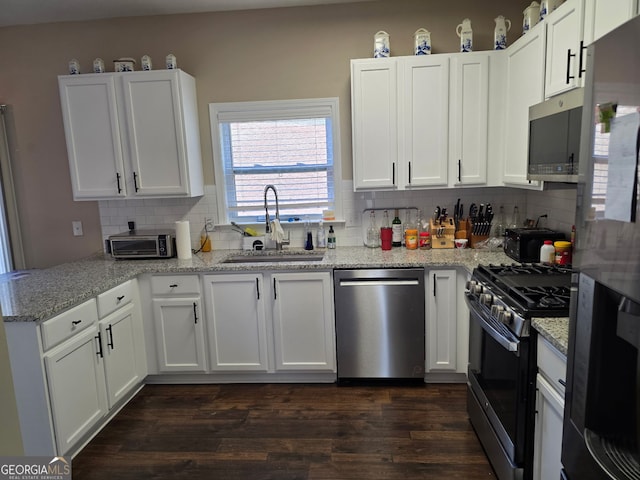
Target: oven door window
137,247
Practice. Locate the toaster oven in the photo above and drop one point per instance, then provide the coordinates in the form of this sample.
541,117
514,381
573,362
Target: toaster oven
523,244
143,244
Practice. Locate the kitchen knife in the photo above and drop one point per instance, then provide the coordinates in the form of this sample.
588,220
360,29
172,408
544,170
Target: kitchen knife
436,215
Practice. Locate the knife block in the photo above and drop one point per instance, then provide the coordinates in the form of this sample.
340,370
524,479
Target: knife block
474,239
445,239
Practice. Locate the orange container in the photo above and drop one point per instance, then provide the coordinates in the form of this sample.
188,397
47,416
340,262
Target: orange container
411,238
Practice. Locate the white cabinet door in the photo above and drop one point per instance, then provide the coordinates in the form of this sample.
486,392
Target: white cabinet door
132,134
236,322
77,391
153,106
548,431
602,16
303,322
374,111
92,131
121,346
424,124
469,118
564,59
179,334
441,331
525,87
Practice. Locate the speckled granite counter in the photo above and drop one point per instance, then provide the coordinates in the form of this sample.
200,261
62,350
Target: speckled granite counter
44,293
556,330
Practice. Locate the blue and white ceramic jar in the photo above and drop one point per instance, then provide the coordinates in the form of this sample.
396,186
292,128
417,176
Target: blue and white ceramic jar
503,25
531,17
422,42
465,33
381,45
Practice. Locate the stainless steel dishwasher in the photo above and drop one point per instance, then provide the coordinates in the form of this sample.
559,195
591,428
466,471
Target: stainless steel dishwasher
380,318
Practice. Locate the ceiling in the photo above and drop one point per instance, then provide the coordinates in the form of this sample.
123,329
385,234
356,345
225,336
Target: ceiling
23,12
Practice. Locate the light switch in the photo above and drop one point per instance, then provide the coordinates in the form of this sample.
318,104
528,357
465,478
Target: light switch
77,228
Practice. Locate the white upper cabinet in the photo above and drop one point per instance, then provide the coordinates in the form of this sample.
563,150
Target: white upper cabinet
565,59
420,122
132,134
525,87
374,110
469,118
425,120
602,16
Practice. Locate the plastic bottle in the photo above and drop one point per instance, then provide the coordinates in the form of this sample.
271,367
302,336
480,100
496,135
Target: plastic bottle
309,243
321,236
205,242
331,239
396,226
547,252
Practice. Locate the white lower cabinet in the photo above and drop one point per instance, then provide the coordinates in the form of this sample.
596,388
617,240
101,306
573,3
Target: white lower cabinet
179,335
77,389
441,331
270,322
236,321
123,352
549,411
303,325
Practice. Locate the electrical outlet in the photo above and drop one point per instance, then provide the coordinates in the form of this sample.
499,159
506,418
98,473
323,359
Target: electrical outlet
77,228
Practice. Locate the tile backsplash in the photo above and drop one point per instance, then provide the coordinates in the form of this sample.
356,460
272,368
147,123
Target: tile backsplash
559,205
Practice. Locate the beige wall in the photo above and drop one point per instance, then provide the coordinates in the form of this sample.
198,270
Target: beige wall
234,56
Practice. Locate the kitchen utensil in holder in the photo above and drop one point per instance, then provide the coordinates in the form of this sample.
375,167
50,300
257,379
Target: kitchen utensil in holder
442,236
475,238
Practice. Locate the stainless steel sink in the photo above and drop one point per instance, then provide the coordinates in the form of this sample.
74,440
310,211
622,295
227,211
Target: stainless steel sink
275,258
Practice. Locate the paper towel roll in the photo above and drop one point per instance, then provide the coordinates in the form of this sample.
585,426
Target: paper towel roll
183,239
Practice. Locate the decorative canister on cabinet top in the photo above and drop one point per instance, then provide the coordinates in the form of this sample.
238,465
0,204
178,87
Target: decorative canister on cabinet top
548,6
171,62
74,67
381,45
465,33
98,65
503,25
531,17
422,42
146,63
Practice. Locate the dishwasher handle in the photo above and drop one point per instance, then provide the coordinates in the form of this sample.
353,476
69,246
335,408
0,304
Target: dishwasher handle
376,282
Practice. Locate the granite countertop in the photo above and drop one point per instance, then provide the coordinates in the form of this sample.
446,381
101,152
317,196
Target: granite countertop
556,330
41,294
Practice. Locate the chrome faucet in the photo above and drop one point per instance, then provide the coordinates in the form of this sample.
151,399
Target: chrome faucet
268,219
266,206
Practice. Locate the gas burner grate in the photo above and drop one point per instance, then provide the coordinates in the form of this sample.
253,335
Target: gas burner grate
527,269
543,297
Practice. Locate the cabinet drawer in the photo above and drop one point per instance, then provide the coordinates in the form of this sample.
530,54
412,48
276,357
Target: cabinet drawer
175,284
67,324
115,298
552,364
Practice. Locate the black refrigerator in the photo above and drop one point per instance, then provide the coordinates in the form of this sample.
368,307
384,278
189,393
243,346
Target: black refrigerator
600,434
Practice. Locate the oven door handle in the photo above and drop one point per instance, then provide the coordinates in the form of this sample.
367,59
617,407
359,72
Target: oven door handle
511,345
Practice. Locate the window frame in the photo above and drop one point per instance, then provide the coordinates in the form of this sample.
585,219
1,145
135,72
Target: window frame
226,112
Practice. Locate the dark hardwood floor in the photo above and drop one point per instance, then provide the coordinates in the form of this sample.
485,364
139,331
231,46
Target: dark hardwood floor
314,432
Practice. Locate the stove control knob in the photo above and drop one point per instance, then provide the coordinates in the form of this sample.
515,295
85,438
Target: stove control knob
477,289
486,299
496,309
505,317
470,284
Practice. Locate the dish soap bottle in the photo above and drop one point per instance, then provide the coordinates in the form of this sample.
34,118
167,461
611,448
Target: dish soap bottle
331,239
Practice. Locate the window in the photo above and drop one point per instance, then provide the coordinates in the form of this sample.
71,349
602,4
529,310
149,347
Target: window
291,144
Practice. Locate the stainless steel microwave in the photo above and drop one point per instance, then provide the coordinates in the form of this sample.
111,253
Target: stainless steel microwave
554,138
143,244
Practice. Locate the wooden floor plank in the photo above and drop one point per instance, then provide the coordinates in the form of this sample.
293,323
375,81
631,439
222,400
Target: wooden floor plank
287,432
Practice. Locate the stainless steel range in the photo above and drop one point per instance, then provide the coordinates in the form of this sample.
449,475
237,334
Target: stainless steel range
502,300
